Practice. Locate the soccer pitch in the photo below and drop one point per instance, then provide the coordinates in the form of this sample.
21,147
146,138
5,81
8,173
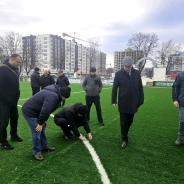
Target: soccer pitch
150,157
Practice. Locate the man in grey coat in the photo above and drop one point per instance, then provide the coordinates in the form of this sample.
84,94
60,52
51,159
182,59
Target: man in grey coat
92,85
130,95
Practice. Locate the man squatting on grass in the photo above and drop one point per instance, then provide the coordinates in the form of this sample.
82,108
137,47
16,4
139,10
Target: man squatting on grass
72,117
37,110
178,101
9,96
130,95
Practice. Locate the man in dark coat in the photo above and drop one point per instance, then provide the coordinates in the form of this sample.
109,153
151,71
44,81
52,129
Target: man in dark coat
62,81
92,85
72,117
9,96
178,101
35,81
37,110
130,96
46,79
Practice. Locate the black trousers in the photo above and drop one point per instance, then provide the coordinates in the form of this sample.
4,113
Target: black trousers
35,90
96,100
126,121
8,113
62,122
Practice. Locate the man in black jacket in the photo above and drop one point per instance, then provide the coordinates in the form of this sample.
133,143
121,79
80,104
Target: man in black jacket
130,96
9,96
72,117
35,81
37,110
62,81
46,79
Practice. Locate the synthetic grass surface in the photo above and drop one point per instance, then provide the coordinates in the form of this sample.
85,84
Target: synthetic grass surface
150,157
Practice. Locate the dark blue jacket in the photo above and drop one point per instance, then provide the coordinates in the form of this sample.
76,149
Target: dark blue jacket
178,89
130,95
43,103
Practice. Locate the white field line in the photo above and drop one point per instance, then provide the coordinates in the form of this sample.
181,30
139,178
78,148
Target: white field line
71,93
101,170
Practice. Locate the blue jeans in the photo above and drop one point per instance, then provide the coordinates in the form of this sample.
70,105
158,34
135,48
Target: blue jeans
181,124
39,139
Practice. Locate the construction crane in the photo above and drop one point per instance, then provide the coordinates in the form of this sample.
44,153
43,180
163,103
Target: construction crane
74,37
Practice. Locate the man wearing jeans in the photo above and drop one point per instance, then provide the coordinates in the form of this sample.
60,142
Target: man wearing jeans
178,101
37,110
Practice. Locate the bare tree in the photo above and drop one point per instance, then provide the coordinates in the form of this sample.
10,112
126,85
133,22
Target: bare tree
109,70
145,42
92,51
31,56
165,53
11,43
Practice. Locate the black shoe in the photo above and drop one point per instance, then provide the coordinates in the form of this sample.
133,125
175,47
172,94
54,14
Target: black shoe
67,137
124,144
7,146
16,138
102,123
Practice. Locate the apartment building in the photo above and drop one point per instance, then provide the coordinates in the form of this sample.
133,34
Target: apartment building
53,52
119,56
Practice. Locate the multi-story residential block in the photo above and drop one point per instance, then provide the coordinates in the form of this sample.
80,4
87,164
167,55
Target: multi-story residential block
119,55
53,52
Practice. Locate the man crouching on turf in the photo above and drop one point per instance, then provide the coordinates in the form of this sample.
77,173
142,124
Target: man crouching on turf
72,117
37,110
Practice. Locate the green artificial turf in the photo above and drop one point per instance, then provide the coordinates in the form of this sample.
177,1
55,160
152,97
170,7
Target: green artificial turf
150,157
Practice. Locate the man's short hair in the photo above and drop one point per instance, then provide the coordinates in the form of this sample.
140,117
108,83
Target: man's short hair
13,56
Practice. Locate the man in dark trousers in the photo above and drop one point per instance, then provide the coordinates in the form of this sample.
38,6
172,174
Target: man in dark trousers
37,110
92,85
35,81
62,81
46,79
72,117
9,96
130,95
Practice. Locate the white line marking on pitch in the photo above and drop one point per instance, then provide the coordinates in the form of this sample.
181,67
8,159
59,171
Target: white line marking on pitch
101,170
71,93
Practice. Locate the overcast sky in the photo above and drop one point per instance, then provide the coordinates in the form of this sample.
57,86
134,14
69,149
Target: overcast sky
112,21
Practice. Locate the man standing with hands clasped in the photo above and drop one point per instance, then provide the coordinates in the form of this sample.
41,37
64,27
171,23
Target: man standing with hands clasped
130,95
92,85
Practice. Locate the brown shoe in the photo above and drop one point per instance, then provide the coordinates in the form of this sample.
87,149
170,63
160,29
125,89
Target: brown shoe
48,149
39,156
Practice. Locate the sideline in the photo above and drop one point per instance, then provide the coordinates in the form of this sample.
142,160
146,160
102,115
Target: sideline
71,93
101,170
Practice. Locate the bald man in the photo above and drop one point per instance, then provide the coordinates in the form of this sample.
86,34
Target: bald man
46,79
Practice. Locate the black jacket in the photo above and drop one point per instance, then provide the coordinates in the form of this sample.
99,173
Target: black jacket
62,81
47,80
35,80
70,114
9,85
130,95
43,103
